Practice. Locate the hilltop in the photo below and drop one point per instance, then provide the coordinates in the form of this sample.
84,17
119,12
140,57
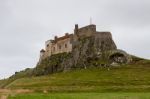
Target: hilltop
93,82
133,77
92,63
85,49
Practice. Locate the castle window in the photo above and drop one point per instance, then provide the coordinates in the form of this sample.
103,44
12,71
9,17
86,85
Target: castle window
54,48
47,45
59,46
65,45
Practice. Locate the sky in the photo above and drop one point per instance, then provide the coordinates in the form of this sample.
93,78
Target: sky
25,25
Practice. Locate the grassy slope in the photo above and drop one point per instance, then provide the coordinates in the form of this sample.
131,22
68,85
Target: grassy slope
83,96
2,82
133,78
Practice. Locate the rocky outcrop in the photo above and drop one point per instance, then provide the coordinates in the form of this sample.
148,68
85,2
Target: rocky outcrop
96,50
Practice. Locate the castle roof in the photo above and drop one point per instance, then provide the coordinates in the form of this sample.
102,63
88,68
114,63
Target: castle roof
42,50
62,38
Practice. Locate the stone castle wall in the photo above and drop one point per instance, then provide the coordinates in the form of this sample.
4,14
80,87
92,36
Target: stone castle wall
106,40
64,44
85,31
59,45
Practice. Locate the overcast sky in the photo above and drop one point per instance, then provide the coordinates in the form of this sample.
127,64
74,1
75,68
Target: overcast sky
26,24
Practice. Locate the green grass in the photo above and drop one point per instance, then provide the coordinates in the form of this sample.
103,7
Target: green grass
124,82
83,96
127,78
2,82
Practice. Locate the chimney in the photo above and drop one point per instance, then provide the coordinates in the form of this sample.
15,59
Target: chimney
76,29
76,26
66,34
56,37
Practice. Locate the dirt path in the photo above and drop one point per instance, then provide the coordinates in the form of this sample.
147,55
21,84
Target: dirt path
3,97
5,92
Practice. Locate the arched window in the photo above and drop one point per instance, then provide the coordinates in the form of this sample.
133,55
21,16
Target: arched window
59,46
65,45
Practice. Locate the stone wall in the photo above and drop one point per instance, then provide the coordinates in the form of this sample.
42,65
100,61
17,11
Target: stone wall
66,43
62,46
86,31
48,46
59,45
107,42
87,50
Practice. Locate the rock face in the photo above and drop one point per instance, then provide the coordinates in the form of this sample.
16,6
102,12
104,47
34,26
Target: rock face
96,50
90,47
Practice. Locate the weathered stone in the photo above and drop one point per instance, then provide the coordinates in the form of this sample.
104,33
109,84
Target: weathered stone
92,49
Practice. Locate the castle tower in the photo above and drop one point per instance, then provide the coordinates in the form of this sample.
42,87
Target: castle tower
48,48
42,52
76,30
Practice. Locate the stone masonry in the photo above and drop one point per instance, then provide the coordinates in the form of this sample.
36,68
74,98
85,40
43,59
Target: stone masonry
66,43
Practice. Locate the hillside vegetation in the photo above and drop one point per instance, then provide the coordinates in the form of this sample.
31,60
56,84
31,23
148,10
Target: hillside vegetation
83,96
130,78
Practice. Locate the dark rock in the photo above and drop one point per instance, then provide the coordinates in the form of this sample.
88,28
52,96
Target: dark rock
98,50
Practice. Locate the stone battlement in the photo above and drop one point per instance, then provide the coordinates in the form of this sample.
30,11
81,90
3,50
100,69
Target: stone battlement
91,27
85,31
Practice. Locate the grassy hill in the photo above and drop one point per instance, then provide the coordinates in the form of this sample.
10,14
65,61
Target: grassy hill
130,81
126,78
83,96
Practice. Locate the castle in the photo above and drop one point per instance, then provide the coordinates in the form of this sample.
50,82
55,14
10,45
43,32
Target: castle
66,42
